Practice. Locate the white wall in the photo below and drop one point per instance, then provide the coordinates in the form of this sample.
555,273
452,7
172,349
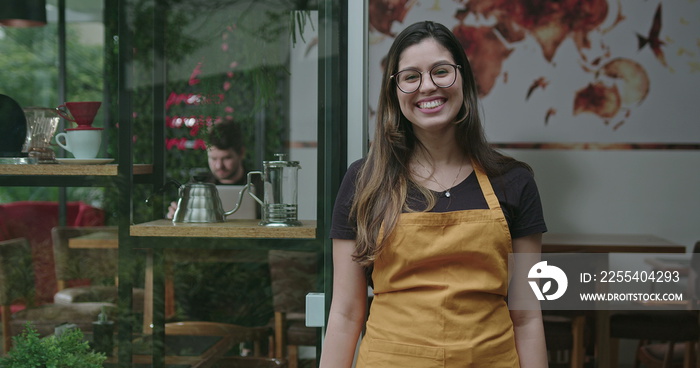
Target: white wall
646,192
584,191
303,116
357,80
619,192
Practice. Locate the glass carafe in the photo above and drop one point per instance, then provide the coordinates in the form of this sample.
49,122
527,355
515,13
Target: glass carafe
280,187
41,126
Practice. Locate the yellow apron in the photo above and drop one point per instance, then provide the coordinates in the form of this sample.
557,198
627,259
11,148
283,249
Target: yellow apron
439,292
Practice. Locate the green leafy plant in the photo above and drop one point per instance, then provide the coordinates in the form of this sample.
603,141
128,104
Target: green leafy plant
69,350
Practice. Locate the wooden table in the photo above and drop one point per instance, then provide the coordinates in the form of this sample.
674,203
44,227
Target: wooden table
232,228
96,240
65,170
236,228
200,351
606,243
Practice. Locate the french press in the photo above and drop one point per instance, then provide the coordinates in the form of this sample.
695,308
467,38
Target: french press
280,181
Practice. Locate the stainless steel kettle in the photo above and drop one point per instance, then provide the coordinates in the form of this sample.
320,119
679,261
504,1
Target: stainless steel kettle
199,202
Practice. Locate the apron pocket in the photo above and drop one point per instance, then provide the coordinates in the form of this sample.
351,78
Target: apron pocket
387,354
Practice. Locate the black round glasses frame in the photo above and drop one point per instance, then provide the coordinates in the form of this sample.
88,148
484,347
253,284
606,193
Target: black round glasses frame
430,73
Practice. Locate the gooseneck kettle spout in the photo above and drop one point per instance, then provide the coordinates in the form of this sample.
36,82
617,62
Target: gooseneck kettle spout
241,193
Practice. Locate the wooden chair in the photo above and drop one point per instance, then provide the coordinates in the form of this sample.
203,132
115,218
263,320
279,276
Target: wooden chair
231,336
667,355
565,335
679,330
568,333
650,327
17,286
237,334
93,270
293,275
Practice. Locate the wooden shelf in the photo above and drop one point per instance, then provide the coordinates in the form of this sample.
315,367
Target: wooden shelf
228,229
608,243
66,170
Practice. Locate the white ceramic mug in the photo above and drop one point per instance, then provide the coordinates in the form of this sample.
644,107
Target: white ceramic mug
82,143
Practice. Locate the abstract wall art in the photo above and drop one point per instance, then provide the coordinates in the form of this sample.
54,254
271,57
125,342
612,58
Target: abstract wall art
573,74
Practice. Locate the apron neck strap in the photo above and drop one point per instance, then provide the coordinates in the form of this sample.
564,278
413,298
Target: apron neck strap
486,187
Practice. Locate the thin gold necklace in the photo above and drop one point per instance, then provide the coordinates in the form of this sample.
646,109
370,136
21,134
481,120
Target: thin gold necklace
446,192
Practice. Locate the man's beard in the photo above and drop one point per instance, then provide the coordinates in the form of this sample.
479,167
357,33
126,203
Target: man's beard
232,174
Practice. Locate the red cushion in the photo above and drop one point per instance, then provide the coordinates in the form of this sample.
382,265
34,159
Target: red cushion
34,221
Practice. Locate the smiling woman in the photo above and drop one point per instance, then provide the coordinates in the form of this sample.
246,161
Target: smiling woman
432,214
431,104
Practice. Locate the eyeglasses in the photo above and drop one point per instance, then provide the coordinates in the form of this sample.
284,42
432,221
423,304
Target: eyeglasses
442,75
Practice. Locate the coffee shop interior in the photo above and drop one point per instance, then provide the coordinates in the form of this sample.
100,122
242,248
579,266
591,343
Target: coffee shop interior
107,112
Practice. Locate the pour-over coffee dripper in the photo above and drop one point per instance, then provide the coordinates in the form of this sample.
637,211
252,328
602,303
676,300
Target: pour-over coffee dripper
82,113
41,126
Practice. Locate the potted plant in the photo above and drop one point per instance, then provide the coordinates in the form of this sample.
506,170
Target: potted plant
68,350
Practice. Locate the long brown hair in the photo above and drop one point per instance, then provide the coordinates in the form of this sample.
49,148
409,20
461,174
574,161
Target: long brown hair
383,181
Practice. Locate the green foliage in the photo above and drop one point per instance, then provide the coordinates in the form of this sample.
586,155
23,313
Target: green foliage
29,67
69,350
32,63
297,23
29,74
237,293
14,194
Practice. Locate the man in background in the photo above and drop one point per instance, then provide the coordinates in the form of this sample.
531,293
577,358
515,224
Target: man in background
225,155
216,285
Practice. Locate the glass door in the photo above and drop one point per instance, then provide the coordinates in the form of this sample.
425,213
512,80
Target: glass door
231,86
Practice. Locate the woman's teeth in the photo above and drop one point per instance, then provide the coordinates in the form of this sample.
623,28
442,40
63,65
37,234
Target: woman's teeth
431,104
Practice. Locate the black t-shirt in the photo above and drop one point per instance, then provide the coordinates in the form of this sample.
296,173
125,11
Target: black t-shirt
516,191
